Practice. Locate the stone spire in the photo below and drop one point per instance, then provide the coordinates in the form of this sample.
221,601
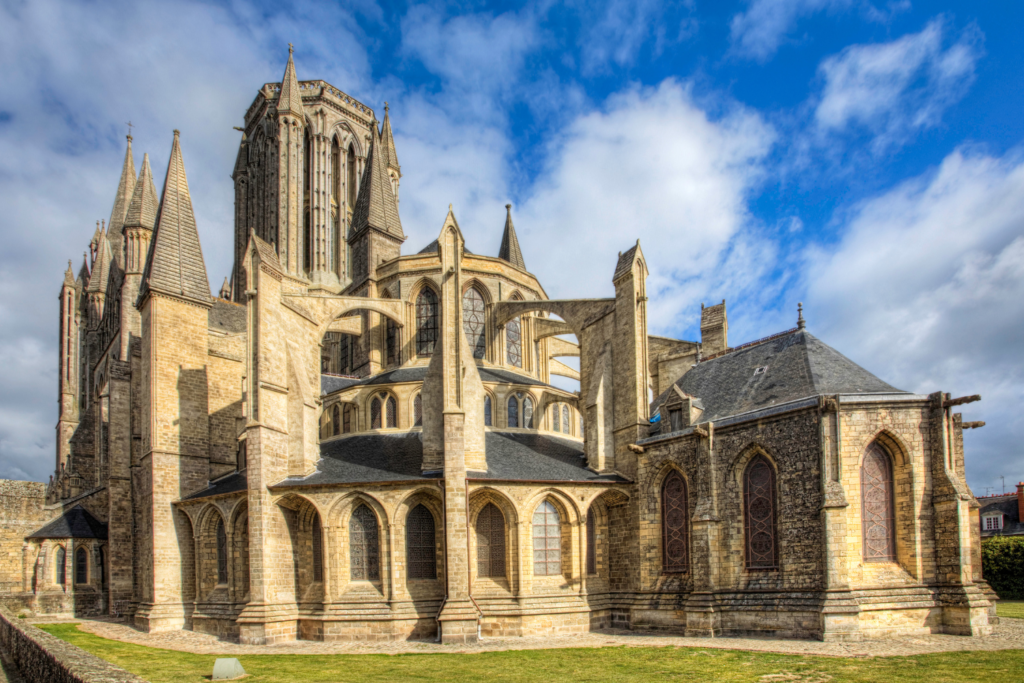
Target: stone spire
83,272
143,207
101,266
175,264
125,188
376,206
290,99
510,243
388,141
225,290
69,276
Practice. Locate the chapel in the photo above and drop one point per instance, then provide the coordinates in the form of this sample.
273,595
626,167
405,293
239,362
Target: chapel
358,440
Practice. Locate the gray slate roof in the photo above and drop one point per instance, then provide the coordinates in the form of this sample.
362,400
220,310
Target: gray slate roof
226,316
331,383
511,456
509,249
799,365
432,249
1009,506
75,523
125,188
376,206
175,263
229,484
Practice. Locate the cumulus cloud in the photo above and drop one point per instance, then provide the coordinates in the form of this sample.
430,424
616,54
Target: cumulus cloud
892,90
926,289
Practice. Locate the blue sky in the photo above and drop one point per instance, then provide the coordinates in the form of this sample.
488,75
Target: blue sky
862,157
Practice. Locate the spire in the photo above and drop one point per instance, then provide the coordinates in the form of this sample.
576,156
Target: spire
290,99
143,207
225,290
69,276
83,272
101,268
125,188
510,243
175,264
389,142
376,206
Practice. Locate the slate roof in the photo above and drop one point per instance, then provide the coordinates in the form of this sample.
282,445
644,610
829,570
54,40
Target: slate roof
75,523
101,268
143,207
510,250
290,99
625,261
376,206
798,365
432,249
331,383
388,140
226,316
125,188
229,484
511,456
1009,506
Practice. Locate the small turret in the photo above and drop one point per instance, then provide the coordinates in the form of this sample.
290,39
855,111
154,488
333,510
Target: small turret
388,147
290,99
125,189
510,250
140,219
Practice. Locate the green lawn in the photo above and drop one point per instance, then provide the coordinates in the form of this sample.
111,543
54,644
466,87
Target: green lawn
1010,608
552,666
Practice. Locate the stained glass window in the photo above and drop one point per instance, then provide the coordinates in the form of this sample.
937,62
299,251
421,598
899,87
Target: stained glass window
513,411
426,322
554,419
490,542
514,342
876,499
675,523
417,410
528,412
421,554
473,321
81,566
759,505
487,411
392,345
392,412
547,541
565,419
318,552
59,559
222,553
101,566
336,414
364,554
591,542
347,424
375,415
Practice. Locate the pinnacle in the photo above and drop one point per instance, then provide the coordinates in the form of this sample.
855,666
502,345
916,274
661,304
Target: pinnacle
389,142
175,263
143,207
510,250
376,206
125,188
101,268
290,99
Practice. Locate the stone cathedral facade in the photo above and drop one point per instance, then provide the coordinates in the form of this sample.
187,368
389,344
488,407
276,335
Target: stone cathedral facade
359,441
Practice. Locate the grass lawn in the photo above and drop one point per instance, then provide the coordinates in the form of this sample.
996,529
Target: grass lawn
1010,608
551,666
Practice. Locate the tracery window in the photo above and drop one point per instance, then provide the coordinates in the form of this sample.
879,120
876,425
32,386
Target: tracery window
514,342
555,426
675,524
565,419
391,342
547,541
759,506
420,548
336,414
513,411
101,566
490,542
488,421
473,321
528,412
318,551
426,322
346,424
364,554
417,410
375,413
59,559
222,553
877,506
591,542
81,566
392,412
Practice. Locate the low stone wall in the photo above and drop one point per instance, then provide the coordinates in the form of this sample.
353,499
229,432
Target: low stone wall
39,656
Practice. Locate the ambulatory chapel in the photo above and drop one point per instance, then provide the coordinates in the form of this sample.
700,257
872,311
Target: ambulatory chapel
359,439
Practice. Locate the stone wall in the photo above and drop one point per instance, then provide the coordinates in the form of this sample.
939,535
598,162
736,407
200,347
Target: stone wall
39,656
22,511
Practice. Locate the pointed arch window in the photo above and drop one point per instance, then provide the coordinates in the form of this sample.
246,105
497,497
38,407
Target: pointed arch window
336,415
420,549
417,410
675,524
81,566
591,542
364,553
555,423
222,553
318,549
488,420
473,321
375,413
60,567
350,163
547,541
346,424
877,519
392,343
513,411
101,566
514,342
391,413
759,511
337,183
490,542
565,419
426,322
528,412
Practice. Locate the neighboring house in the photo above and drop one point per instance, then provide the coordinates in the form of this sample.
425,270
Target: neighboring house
1000,514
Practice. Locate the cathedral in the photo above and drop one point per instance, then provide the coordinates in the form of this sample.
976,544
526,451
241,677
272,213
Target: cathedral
356,441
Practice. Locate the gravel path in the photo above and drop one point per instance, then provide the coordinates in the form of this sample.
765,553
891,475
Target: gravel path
1009,634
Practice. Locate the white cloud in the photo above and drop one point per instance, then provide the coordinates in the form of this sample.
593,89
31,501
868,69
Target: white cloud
615,31
926,290
892,90
758,32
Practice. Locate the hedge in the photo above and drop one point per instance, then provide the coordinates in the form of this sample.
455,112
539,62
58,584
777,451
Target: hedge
1002,565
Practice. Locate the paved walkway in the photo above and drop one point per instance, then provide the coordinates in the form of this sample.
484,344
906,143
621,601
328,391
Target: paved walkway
1009,634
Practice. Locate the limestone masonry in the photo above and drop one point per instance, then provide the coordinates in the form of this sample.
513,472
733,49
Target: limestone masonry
350,442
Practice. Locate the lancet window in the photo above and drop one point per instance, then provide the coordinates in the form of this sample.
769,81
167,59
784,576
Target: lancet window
547,541
222,553
318,549
877,519
81,566
417,410
490,542
473,321
675,524
420,549
759,510
364,552
59,559
513,411
426,322
488,420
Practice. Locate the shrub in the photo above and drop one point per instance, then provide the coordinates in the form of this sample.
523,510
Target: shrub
1002,564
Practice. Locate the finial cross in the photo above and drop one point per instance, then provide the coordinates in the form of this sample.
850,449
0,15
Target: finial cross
291,48
130,126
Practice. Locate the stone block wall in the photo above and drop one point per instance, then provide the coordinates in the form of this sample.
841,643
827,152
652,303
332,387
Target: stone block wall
22,511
